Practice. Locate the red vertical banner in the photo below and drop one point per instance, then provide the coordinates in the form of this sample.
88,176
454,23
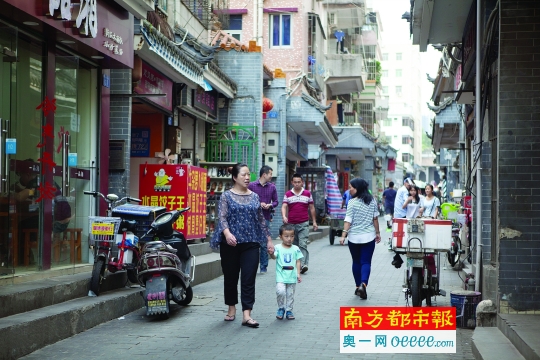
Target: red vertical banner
345,181
177,187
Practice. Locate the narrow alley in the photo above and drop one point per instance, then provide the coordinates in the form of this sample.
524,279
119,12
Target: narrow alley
199,332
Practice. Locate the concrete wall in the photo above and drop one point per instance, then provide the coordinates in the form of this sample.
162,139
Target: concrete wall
120,129
519,154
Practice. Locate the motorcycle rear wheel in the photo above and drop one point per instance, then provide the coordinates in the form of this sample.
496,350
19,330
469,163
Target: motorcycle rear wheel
455,253
187,298
97,275
416,287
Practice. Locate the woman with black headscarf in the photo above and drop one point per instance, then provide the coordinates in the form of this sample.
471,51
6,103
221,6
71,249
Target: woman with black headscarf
361,227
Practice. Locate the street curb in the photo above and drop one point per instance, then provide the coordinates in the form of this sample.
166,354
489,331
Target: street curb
33,330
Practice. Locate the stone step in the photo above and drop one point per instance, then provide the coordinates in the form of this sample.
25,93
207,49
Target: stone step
489,343
29,296
62,303
522,331
50,310
29,331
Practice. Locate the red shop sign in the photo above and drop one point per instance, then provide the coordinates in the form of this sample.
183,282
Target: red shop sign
177,187
154,82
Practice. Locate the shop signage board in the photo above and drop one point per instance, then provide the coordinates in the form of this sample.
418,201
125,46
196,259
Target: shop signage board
176,187
205,101
104,27
154,82
302,147
140,142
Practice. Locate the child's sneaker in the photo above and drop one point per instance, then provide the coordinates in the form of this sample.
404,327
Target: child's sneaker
290,315
280,314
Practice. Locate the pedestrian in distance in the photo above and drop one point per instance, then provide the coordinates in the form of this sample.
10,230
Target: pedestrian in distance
429,205
361,227
269,201
401,196
346,197
296,204
240,231
388,197
411,205
288,264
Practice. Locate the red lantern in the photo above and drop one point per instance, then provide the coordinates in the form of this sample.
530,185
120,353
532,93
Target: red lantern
267,106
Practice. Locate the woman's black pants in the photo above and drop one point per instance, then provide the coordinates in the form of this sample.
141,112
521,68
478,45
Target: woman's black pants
235,260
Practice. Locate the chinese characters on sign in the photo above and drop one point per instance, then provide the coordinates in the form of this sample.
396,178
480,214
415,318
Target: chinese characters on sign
397,330
153,82
177,187
205,101
46,189
111,44
140,142
86,20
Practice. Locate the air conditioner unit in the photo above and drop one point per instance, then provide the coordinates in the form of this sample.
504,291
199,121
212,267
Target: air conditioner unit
271,160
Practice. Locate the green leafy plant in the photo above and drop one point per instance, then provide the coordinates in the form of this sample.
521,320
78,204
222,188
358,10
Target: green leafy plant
378,72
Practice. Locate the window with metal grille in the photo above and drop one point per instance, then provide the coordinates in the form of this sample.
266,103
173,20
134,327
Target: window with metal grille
406,121
407,140
366,116
406,157
201,10
398,56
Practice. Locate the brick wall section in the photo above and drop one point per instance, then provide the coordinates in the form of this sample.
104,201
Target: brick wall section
519,153
486,203
276,92
246,108
120,128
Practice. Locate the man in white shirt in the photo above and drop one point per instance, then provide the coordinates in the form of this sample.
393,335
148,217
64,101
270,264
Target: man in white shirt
401,196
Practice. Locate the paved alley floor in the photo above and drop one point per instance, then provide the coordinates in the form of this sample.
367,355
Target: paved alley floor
199,332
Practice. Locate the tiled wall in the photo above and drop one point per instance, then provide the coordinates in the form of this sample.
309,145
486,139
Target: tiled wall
519,155
120,129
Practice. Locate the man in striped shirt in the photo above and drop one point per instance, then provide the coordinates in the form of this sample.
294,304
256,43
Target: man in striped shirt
296,204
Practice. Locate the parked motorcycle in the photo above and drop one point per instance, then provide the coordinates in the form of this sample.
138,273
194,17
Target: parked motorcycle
103,235
166,268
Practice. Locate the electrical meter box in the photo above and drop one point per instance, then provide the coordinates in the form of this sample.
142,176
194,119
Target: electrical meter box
271,160
271,143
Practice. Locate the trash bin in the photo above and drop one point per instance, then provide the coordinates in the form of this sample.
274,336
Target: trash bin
465,302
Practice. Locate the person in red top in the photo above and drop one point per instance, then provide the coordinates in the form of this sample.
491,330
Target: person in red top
294,210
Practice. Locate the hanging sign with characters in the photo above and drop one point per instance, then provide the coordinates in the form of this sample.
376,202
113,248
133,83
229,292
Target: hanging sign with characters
177,187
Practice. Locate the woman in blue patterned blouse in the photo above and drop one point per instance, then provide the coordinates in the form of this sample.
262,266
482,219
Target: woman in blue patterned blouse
239,234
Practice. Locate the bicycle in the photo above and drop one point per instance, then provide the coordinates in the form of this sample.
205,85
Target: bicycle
102,236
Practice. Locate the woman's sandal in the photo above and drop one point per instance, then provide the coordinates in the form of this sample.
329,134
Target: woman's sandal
251,323
229,317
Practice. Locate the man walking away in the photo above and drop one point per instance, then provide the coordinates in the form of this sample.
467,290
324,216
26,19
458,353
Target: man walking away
294,210
268,195
389,196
